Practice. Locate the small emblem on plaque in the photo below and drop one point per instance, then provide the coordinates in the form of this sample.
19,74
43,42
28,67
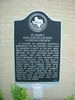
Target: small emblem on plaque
37,22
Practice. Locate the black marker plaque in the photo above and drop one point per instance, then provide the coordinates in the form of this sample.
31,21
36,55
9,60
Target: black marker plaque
37,48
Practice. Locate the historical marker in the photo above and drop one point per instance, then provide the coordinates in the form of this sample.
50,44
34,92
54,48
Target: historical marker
37,41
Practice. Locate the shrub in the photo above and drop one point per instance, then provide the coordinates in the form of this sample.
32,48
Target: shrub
19,93
1,95
69,98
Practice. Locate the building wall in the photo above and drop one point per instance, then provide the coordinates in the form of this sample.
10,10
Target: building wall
64,10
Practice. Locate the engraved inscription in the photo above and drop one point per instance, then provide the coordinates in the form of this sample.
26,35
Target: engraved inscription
37,58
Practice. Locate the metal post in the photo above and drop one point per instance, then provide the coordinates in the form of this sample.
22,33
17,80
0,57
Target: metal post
37,92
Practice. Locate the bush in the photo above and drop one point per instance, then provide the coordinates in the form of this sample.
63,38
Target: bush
1,95
69,98
19,93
